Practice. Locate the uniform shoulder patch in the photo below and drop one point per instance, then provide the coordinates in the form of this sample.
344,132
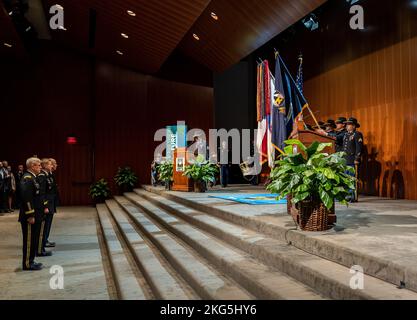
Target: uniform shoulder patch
27,177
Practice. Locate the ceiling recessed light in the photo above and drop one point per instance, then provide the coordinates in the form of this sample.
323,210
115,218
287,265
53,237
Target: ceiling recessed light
131,13
8,45
214,16
119,52
124,35
196,37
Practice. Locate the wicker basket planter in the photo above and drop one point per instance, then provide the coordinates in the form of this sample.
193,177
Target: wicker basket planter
313,178
313,216
289,204
200,186
293,211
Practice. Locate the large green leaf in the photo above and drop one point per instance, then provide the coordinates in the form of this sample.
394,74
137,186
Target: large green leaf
323,146
337,190
288,150
296,142
300,197
326,198
302,188
330,174
297,159
309,173
312,149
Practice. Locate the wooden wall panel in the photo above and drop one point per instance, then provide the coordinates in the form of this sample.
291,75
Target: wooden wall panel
383,96
121,120
111,110
370,74
44,102
131,107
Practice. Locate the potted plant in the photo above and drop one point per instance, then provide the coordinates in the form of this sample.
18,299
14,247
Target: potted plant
99,191
125,179
166,173
202,172
314,180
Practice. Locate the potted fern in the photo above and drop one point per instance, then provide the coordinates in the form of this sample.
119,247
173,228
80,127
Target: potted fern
166,173
99,191
125,179
314,180
202,172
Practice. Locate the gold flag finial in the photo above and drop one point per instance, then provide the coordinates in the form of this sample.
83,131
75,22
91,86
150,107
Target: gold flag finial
276,53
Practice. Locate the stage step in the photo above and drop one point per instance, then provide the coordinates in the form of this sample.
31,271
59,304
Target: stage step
387,270
202,276
327,277
127,282
261,281
162,282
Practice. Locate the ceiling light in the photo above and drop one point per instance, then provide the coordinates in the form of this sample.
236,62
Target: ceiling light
196,37
119,52
214,16
8,45
131,13
124,35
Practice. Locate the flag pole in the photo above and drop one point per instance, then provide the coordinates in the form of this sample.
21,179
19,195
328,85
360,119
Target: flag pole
356,182
314,118
306,106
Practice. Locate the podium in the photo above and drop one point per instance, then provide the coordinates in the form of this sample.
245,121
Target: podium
181,183
308,138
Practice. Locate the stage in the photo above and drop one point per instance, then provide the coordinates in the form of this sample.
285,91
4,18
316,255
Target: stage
377,234
157,244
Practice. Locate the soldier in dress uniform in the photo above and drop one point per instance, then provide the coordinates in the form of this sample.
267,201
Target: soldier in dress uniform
340,131
31,213
54,202
45,183
330,127
352,147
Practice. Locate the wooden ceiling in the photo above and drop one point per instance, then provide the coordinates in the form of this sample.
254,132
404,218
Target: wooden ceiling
9,37
242,27
161,26
153,33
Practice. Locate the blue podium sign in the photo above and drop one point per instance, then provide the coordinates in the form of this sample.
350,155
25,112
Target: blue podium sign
176,138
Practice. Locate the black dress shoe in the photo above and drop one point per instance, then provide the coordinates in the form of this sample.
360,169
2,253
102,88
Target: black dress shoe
45,254
50,244
33,267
